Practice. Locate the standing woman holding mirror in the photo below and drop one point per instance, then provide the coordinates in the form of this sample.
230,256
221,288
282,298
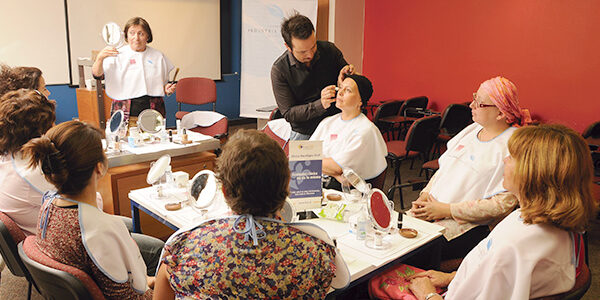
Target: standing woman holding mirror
136,75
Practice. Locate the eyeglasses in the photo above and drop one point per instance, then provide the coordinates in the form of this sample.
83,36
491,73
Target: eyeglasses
480,105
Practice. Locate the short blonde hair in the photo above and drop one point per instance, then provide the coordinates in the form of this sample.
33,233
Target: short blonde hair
553,172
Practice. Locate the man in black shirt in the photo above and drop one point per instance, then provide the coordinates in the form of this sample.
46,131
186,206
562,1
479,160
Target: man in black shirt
304,77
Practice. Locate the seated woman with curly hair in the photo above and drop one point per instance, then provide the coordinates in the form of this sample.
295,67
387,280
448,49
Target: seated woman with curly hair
24,115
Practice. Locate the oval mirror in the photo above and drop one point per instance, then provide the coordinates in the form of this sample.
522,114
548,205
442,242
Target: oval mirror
380,210
113,35
288,212
115,122
158,169
150,120
203,188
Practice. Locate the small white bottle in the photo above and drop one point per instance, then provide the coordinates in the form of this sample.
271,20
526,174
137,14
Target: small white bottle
170,180
179,129
361,226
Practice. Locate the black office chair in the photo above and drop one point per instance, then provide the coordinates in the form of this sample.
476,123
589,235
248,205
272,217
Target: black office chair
419,141
411,110
54,279
11,236
387,109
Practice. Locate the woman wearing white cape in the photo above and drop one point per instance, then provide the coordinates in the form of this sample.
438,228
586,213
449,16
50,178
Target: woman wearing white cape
530,254
71,229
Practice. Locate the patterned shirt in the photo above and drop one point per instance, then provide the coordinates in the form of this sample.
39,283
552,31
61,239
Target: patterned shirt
63,243
213,261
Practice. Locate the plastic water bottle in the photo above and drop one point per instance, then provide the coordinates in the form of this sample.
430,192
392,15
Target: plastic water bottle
361,227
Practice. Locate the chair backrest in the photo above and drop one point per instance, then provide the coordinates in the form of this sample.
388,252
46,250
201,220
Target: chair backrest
378,181
217,130
275,114
412,104
387,109
455,118
196,91
54,279
422,134
283,143
12,235
592,131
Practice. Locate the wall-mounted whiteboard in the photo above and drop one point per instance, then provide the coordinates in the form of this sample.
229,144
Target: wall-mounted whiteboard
186,31
33,33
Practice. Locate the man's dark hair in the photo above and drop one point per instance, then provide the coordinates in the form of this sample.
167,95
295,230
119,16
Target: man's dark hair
296,26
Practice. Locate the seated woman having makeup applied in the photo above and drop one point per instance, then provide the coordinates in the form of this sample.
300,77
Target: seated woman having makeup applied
71,229
350,139
466,195
531,253
250,255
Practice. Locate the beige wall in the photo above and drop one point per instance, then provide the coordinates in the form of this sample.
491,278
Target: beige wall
348,31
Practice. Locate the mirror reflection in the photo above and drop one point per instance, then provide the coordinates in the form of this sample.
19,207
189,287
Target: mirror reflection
113,35
116,121
150,121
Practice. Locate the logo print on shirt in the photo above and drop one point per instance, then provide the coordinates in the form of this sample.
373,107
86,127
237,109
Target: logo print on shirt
132,61
150,62
333,137
459,147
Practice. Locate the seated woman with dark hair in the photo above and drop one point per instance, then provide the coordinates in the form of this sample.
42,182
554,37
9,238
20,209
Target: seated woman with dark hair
71,229
350,139
530,253
24,114
250,254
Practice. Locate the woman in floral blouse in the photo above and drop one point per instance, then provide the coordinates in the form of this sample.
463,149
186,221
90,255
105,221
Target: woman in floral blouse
250,255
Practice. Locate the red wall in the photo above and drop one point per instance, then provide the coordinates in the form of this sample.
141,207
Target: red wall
444,49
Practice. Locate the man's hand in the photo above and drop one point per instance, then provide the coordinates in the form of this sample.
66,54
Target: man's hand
346,70
328,96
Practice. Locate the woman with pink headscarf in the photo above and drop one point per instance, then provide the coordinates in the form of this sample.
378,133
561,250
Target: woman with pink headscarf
466,195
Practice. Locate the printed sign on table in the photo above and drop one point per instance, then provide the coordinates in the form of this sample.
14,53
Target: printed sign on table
306,169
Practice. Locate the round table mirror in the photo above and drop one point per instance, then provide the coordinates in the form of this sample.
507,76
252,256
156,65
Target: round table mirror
150,121
115,122
203,188
158,169
113,35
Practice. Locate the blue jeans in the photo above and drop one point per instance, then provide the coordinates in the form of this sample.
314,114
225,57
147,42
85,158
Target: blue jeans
297,136
150,247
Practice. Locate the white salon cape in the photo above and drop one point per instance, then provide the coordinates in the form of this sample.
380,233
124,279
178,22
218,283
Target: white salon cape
133,74
356,144
471,169
22,190
110,246
516,261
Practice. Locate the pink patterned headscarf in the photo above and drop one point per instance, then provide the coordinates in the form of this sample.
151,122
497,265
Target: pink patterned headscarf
503,94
